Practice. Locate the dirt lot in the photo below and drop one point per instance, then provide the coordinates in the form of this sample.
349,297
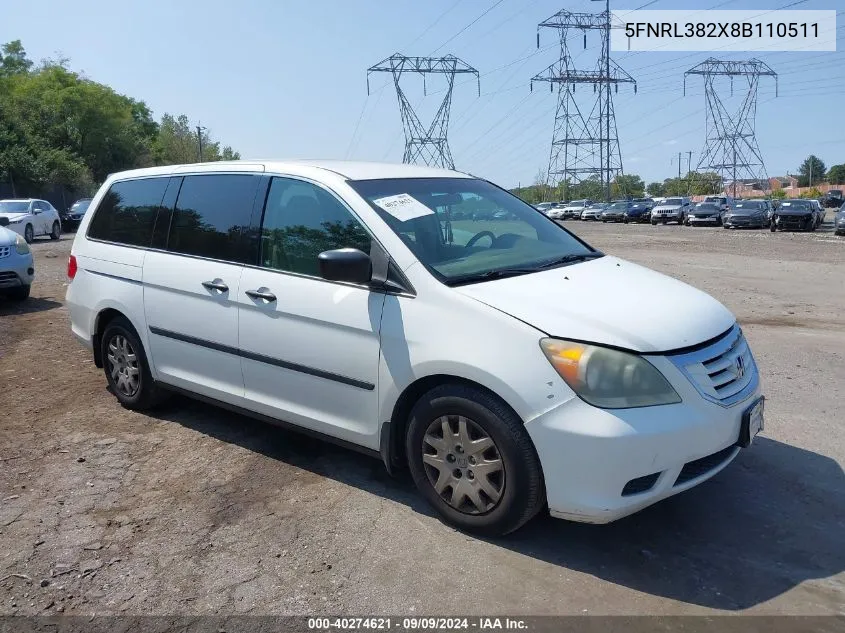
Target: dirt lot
194,510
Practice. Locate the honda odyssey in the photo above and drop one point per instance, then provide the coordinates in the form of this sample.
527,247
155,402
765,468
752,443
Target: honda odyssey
508,365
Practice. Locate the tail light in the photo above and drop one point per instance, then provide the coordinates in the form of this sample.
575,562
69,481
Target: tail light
71,267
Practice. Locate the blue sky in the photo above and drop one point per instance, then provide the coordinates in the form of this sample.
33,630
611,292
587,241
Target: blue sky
287,78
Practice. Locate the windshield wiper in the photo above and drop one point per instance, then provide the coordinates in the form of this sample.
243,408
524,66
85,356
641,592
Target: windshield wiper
499,273
570,259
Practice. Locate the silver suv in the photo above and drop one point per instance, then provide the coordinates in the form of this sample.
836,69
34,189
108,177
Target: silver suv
670,210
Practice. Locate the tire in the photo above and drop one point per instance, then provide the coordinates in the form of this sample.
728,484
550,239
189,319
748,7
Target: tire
773,226
518,481
625,220
28,234
56,233
146,394
21,293
605,221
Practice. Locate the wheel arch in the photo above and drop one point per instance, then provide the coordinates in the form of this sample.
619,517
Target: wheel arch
392,441
101,321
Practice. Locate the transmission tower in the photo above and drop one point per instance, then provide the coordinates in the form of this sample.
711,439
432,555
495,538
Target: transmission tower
585,142
428,146
731,148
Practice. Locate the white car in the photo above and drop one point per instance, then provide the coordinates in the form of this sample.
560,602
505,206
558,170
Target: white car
573,210
509,369
31,218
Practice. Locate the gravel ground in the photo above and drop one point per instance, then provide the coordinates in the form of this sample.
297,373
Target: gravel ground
197,511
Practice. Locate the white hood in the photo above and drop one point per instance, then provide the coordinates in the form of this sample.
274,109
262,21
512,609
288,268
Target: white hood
611,302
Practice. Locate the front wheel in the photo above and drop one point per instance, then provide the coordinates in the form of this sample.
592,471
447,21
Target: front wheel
28,234
126,367
56,233
773,226
473,461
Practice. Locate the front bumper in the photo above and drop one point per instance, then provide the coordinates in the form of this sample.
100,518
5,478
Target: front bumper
600,465
712,219
16,270
615,217
742,221
799,222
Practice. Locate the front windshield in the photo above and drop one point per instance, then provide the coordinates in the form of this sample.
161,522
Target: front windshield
673,202
796,204
618,205
749,205
464,228
12,206
706,206
81,205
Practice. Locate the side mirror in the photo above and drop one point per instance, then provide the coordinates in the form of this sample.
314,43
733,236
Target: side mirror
345,264
4,221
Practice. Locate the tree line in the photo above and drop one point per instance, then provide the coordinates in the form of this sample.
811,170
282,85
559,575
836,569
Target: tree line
61,129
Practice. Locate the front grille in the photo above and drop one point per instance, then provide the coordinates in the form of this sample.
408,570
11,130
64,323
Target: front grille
699,467
640,484
723,372
5,251
8,275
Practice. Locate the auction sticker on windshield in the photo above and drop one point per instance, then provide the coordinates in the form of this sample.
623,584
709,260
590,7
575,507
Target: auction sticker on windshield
403,207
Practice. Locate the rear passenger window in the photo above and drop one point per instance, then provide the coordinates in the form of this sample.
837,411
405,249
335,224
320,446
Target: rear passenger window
212,215
127,212
301,221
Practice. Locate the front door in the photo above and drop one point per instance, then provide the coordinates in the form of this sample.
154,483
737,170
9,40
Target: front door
190,290
309,348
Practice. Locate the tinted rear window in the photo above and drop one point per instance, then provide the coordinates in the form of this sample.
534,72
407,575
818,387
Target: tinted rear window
212,214
127,212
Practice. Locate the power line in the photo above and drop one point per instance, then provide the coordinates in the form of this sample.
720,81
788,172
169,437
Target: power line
496,4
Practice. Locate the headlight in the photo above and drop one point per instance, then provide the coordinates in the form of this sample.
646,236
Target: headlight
21,246
608,378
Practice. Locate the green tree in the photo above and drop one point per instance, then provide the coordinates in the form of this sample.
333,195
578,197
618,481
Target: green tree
812,192
656,189
811,171
779,194
836,175
627,185
13,59
179,142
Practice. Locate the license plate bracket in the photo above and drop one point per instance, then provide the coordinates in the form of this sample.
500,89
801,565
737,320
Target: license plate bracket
752,423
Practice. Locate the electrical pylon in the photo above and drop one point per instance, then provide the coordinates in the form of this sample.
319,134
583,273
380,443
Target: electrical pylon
429,146
731,148
583,146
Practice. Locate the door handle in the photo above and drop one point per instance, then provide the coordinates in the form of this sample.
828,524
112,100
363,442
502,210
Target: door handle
216,284
265,295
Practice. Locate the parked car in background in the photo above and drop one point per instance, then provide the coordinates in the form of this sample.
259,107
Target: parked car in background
17,270
556,212
670,210
337,305
30,218
73,216
723,202
746,213
639,210
545,207
574,209
615,211
594,211
770,210
839,221
821,212
797,214
705,213
833,198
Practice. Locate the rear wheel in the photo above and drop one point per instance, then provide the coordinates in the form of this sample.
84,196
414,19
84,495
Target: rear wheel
473,461
56,233
126,367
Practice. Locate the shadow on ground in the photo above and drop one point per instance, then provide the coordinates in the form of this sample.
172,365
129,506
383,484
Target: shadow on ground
28,306
773,519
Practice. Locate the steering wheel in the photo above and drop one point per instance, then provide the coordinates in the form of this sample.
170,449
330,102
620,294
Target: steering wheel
478,236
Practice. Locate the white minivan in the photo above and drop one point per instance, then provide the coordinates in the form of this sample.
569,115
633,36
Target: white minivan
506,363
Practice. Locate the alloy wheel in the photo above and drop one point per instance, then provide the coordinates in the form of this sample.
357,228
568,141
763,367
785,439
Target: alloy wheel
463,464
123,366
